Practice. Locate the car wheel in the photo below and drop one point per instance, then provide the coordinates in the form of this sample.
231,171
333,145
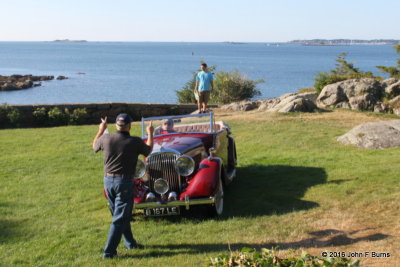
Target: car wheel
218,208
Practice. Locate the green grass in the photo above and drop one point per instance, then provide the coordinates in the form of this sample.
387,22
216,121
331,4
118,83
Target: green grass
296,187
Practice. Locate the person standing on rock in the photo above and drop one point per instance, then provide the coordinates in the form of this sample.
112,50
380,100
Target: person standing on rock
204,87
121,152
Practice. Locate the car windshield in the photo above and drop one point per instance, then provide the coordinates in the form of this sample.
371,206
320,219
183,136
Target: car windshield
179,124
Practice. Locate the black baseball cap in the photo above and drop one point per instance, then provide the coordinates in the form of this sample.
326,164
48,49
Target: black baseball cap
123,119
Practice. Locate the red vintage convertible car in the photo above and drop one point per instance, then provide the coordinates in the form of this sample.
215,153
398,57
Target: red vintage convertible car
193,158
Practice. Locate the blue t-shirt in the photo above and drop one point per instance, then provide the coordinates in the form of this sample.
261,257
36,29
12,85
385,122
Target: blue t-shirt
204,79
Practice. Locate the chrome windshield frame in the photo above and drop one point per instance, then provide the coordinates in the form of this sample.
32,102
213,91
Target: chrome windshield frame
210,115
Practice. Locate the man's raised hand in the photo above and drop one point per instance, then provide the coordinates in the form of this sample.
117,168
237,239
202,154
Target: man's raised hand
150,128
103,124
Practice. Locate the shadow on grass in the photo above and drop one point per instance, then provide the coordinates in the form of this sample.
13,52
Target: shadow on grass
261,190
320,239
271,189
9,230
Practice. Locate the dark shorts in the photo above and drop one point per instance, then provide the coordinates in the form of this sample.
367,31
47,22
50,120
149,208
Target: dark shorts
204,96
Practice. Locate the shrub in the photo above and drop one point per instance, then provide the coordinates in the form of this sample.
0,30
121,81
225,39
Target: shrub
233,86
40,115
58,117
3,115
343,71
186,95
9,116
14,116
266,257
394,72
228,87
78,116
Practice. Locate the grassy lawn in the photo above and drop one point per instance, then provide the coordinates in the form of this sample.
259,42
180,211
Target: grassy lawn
297,188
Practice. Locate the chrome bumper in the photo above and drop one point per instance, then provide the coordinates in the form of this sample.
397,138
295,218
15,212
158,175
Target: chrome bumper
186,203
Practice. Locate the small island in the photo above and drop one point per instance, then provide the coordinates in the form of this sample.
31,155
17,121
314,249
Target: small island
19,82
69,41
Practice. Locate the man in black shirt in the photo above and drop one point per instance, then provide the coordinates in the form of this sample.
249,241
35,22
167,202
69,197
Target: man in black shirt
121,152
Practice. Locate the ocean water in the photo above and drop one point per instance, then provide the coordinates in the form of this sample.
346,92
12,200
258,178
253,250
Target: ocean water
151,71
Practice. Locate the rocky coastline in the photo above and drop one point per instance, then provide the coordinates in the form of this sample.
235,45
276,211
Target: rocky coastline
20,82
366,94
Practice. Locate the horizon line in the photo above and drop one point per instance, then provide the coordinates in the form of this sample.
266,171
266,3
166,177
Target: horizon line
159,41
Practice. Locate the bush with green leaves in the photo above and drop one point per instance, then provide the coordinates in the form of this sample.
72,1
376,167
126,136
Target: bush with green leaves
228,87
78,116
343,71
3,115
266,257
58,117
9,116
14,116
394,72
232,87
40,115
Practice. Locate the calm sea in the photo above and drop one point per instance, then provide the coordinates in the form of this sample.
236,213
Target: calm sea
151,72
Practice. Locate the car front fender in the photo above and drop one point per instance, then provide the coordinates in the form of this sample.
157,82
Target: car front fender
206,181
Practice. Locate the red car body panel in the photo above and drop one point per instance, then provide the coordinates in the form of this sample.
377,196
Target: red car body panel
205,181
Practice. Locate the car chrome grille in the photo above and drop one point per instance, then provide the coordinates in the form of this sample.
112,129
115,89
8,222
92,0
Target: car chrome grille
162,165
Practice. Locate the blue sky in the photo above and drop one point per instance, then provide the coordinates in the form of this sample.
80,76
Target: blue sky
198,21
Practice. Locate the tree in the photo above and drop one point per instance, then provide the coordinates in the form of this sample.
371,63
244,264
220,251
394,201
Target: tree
344,70
394,72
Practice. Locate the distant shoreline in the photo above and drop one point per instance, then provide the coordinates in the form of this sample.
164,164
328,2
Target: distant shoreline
317,42
339,42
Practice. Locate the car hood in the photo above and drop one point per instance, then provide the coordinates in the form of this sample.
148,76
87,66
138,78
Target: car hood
182,143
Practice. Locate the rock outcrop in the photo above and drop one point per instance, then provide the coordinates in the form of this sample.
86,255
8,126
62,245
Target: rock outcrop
293,102
19,82
393,89
241,106
359,94
383,134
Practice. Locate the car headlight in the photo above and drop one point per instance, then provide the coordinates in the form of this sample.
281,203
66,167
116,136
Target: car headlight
140,169
184,165
161,186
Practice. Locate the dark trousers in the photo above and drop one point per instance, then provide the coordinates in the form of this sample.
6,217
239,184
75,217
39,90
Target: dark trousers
120,197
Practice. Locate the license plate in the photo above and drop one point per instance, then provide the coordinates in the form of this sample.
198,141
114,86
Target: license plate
162,211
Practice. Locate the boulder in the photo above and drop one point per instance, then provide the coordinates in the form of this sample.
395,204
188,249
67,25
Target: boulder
292,102
62,77
393,89
295,102
389,82
268,103
394,105
357,94
383,134
241,106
